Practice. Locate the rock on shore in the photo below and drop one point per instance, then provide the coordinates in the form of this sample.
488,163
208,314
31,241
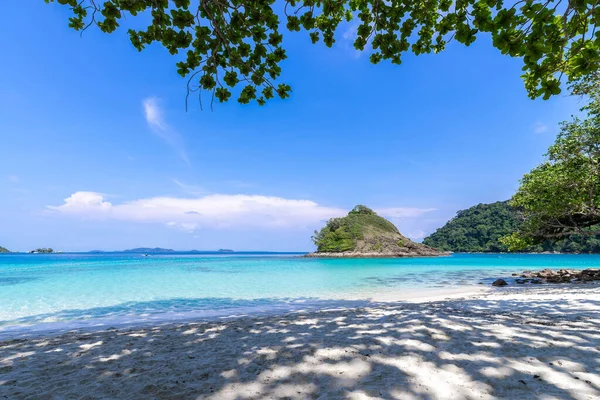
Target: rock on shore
557,276
563,275
417,251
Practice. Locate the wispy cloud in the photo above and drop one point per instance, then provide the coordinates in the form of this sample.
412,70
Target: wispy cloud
539,127
190,189
156,122
409,220
351,32
348,37
14,179
416,235
403,212
189,227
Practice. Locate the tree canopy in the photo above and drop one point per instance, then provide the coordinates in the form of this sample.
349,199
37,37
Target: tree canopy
362,210
480,228
561,197
363,231
476,229
235,46
343,234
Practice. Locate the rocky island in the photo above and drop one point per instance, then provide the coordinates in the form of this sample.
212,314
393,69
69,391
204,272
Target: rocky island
42,250
364,234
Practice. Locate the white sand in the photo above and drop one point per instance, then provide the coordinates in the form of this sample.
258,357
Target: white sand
534,343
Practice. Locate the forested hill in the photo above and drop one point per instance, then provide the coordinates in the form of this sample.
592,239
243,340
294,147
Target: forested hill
478,229
4,250
363,233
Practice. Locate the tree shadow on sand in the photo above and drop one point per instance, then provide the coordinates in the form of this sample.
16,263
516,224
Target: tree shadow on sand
468,349
138,313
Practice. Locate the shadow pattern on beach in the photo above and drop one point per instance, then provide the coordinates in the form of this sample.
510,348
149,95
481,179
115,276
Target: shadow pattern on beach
467,349
138,313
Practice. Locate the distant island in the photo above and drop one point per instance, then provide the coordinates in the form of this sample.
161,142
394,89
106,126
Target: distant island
363,233
148,250
159,250
42,251
4,250
477,230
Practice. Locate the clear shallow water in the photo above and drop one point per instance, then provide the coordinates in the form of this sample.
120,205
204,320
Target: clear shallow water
69,290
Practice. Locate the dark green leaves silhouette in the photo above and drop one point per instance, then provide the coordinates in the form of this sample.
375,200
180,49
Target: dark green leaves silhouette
227,45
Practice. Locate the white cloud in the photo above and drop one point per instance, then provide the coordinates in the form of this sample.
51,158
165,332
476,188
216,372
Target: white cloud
539,127
403,212
80,202
189,227
156,122
13,178
213,211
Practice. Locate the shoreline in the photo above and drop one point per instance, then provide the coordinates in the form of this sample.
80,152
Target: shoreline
382,297
245,308
358,254
12,332
518,342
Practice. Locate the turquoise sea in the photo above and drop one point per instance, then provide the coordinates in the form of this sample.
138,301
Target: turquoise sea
62,291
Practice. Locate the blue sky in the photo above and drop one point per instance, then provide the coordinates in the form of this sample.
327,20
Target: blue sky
98,151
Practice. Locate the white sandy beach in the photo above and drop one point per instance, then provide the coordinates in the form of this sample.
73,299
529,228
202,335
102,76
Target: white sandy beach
526,343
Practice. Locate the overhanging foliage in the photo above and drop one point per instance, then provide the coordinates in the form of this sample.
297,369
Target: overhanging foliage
231,46
561,197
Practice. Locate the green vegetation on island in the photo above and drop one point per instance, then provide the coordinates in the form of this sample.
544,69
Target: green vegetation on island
42,250
560,198
557,206
480,228
4,250
477,229
235,48
364,233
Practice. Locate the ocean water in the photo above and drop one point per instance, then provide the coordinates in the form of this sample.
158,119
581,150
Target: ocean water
62,291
